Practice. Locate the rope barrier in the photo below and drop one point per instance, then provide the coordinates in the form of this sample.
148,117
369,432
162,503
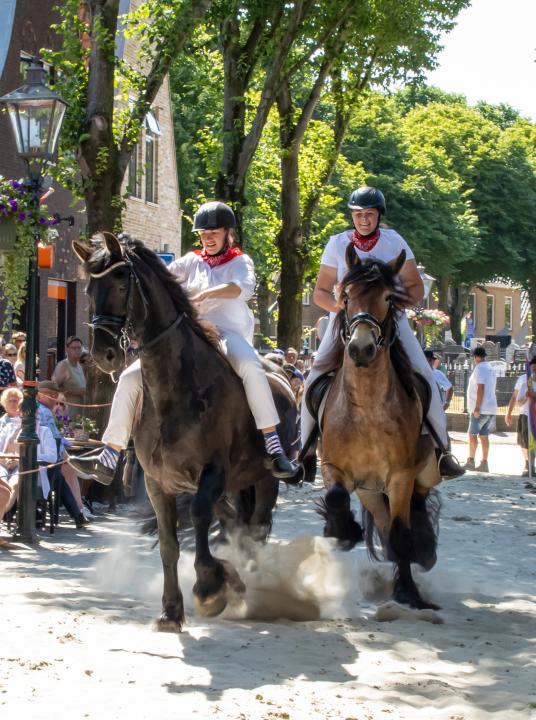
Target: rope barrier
84,405
53,465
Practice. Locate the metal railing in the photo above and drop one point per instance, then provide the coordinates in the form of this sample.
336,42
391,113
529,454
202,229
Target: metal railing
459,374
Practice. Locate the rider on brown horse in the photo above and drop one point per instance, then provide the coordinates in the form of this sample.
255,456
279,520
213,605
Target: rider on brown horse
372,240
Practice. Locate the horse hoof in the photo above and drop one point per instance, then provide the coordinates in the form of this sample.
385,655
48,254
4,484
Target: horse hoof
169,625
212,605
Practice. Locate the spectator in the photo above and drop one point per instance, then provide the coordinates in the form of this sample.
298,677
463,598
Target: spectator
10,353
47,398
17,338
69,376
20,364
443,383
296,382
521,396
7,378
482,406
291,355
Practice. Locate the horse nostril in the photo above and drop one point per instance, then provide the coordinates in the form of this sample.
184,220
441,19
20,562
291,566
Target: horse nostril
370,351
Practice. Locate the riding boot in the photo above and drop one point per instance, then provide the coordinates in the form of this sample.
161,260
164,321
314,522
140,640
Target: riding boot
283,468
96,467
449,467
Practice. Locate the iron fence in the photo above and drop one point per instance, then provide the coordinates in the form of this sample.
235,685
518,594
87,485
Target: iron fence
459,374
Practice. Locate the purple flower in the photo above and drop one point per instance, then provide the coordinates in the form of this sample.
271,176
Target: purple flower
22,216
16,185
42,221
14,205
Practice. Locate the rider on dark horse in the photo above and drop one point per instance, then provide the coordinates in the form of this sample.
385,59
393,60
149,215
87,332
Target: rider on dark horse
219,279
370,239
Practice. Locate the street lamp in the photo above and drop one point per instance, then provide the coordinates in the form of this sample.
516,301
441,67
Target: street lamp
36,114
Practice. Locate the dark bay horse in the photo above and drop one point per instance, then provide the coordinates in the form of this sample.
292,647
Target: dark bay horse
371,436
195,432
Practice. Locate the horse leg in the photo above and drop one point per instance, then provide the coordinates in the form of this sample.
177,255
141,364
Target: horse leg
335,509
214,576
375,515
260,523
405,590
172,617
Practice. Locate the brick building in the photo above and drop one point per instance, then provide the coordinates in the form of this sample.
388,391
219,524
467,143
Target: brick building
153,209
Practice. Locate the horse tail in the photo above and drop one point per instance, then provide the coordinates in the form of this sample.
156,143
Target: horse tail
149,526
372,535
424,519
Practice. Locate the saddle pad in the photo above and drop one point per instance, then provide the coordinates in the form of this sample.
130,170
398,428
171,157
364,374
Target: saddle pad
424,391
316,395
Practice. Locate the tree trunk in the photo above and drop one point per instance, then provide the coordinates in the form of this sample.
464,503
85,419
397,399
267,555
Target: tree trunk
263,303
531,289
290,238
457,307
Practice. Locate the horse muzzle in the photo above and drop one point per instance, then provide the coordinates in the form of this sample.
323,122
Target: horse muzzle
362,353
106,351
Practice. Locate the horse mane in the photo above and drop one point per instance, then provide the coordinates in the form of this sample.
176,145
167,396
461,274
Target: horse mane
370,273
135,249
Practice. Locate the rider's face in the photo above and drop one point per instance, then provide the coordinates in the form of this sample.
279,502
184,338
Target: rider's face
365,221
213,240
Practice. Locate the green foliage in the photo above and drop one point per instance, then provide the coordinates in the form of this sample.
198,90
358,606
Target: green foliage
32,224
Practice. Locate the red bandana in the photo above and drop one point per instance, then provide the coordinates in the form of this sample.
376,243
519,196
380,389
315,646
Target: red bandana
224,257
365,243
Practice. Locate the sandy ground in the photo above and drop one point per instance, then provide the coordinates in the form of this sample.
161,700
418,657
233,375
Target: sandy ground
76,639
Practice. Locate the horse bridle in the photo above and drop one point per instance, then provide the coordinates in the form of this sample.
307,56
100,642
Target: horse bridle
378,327
119,326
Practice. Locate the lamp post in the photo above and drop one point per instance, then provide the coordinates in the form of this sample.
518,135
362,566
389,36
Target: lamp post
36,114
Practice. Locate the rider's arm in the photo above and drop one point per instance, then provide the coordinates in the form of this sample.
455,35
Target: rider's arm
412,281
323,292
225,290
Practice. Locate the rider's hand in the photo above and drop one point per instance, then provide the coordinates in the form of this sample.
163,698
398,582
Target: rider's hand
339,300
199,296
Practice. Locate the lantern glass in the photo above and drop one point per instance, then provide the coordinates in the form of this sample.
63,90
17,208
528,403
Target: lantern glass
36,125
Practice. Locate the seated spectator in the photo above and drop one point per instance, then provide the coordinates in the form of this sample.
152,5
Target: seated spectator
17,338
48,401
291,355
7,378
47,454
10,353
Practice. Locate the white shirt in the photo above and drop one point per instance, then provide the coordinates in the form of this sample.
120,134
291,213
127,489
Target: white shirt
232,314
442,381
483,374
388,247
522,387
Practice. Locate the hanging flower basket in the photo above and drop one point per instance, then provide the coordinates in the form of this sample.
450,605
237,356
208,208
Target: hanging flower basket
8,236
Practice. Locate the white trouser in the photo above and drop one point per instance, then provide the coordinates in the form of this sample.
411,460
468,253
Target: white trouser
242,358
436,414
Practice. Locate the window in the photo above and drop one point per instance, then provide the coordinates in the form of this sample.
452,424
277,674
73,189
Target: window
306,298
152,131
508,312
490,311
134,175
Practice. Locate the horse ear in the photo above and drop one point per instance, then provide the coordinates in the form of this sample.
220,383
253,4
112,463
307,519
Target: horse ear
83,252
397,264
113,244
352,258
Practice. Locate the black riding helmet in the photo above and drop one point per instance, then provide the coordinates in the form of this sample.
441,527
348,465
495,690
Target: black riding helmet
367,197
214,214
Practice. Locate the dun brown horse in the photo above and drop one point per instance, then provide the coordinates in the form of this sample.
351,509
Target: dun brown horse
371,438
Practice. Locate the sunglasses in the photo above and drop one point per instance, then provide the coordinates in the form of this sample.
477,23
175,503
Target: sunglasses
11,354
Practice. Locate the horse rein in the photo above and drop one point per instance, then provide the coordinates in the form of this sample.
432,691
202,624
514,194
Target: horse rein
118,326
